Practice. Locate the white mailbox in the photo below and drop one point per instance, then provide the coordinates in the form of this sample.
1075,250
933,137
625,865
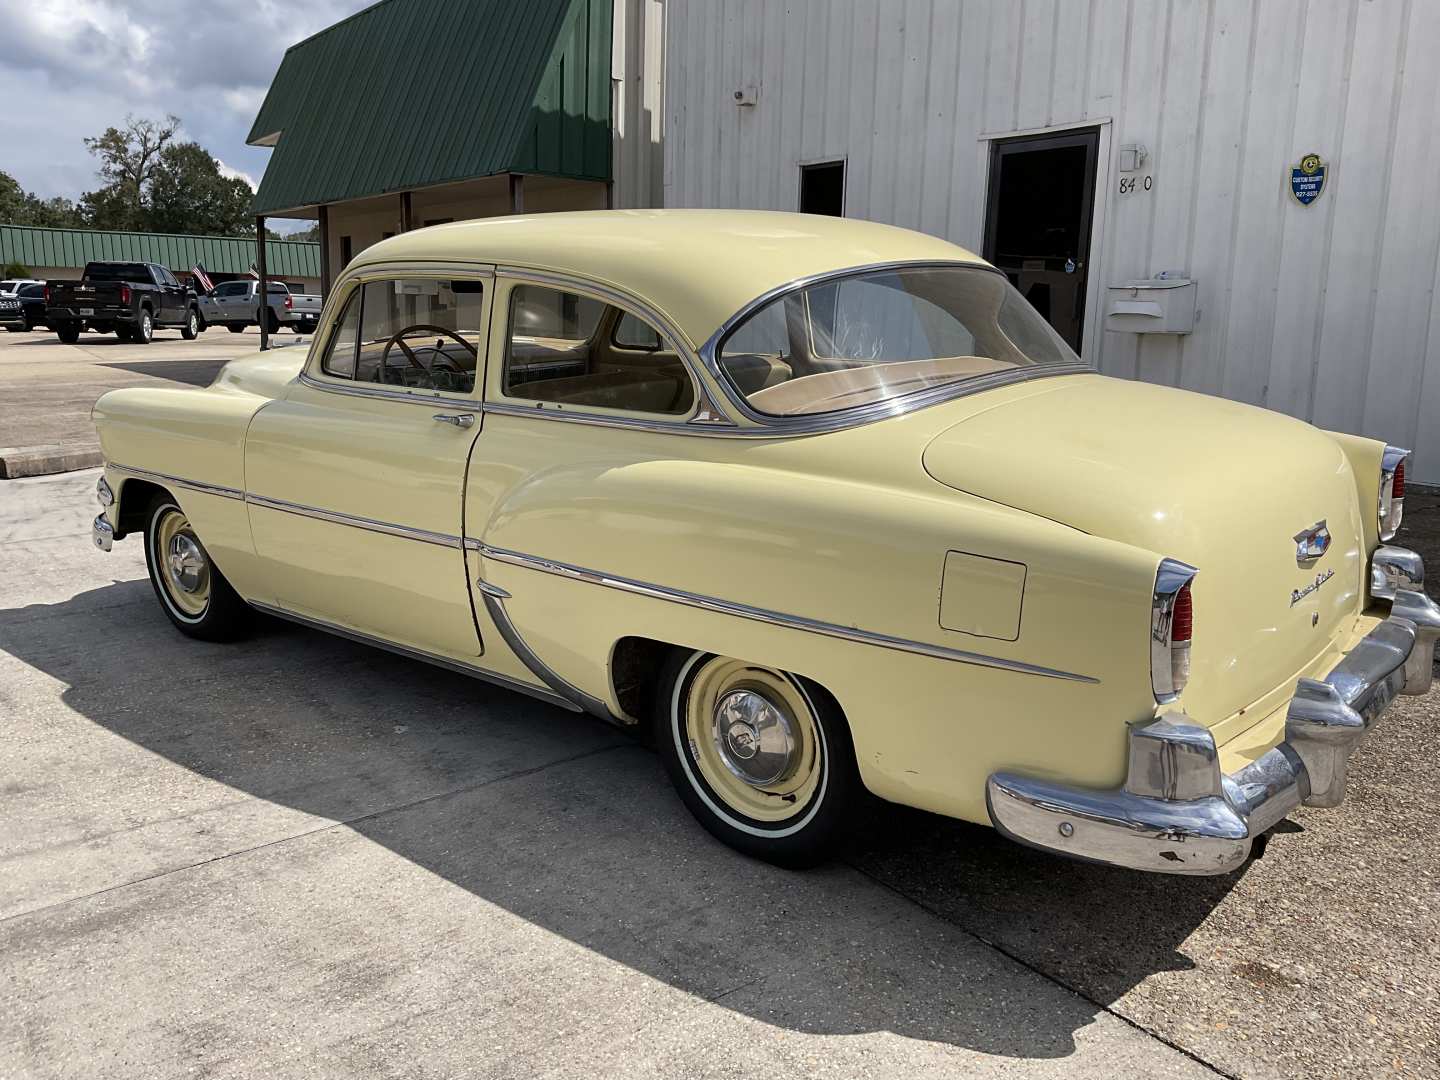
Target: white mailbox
1151,306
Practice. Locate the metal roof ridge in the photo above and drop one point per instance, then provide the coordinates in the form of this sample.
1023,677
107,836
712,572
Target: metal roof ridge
141,232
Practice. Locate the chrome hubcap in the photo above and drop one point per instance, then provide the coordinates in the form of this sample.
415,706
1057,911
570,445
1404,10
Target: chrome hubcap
754,737
187,563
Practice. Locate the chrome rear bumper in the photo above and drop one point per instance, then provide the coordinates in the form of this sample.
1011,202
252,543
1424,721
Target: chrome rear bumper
1178,814
102,534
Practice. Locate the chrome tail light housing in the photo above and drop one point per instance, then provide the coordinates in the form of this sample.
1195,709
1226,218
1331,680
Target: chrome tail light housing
1172,622
1392,490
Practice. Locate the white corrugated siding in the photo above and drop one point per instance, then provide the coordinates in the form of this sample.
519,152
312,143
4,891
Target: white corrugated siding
637,70
1324,311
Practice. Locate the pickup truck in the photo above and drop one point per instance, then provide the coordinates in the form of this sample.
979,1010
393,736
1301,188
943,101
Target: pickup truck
233,304
128,299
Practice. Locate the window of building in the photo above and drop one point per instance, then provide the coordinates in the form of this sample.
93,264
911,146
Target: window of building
822,188
568,349
417,333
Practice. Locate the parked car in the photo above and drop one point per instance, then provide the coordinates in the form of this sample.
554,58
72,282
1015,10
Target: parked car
128,299
25,309
233,304
10,286
825,502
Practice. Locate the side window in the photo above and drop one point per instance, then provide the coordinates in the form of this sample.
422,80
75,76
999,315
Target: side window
423,333
169,277
340,353
569,349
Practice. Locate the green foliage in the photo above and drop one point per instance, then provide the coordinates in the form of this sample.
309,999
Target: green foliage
15,269
150,183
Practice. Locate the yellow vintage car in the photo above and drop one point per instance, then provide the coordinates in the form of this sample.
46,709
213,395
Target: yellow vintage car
824,502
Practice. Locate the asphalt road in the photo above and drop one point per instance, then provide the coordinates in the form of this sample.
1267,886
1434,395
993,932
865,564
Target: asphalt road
301,857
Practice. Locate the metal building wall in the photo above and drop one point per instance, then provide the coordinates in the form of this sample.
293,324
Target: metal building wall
1325,311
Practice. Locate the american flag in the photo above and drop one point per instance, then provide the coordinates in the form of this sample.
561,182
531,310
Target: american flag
254,273
201,277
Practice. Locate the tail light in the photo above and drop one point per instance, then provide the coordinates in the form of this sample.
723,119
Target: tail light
1392,491
125,295
47,295
1172,622
289,303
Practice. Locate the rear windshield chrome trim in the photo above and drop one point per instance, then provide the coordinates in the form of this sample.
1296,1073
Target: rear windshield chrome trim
880,410
776,618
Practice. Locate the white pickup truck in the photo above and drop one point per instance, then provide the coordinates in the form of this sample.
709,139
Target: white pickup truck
233,305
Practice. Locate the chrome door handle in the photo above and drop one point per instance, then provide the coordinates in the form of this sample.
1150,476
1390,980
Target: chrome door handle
460,420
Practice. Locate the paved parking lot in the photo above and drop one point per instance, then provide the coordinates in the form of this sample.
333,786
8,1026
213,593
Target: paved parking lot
48,387
299,857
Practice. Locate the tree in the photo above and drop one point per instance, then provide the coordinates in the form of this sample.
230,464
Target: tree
21,207
15,270
187,194
310,235
129,157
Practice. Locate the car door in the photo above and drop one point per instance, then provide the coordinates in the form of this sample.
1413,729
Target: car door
164,294
355,479
227,298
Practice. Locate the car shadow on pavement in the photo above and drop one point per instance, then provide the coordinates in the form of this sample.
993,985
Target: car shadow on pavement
194,372
572,826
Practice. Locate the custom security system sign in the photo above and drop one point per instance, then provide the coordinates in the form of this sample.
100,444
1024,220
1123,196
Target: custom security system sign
1307,179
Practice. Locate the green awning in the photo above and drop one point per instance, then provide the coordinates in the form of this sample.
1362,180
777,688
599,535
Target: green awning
410,93
35,247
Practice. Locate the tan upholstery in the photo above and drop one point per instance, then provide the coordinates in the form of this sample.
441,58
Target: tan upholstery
755,371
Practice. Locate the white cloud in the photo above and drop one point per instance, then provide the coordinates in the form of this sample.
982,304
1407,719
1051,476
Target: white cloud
236,174
71,68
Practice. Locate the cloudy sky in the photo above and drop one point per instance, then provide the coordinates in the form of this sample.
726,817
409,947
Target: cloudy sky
71,68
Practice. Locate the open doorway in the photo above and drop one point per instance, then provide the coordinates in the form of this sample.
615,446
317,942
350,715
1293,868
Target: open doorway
1037,221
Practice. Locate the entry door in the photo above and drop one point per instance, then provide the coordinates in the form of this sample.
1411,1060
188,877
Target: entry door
355,479
1037,221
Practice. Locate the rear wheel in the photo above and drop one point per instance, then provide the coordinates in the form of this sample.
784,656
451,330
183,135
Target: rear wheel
235,328
124,333
145,329
272,322
191,330
761,757
68,332
192,592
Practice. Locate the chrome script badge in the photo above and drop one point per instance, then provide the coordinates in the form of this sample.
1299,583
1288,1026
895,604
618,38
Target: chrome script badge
1299,594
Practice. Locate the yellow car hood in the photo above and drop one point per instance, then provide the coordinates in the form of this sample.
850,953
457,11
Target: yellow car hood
1220,485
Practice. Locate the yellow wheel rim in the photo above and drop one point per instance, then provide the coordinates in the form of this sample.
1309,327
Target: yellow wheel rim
184,565
754,738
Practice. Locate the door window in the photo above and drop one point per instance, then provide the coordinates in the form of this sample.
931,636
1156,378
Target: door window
569,349
417,333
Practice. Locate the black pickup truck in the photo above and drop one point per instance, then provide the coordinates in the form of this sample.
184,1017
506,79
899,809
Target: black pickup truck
128,299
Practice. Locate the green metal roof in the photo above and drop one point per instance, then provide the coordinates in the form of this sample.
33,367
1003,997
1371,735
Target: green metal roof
410,93
221,254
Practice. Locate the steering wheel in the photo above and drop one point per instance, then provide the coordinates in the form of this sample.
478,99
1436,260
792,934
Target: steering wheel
440,353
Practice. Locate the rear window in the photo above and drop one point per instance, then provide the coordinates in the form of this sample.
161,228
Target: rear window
32,290
138,273
277,287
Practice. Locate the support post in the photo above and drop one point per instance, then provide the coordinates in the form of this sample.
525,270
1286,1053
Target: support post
517,193
407,217
262,308
324,252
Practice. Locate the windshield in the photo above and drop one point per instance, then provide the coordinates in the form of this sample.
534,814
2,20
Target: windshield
138,273
869,337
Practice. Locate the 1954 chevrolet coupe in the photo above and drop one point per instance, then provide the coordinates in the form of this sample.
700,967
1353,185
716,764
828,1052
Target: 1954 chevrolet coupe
824,501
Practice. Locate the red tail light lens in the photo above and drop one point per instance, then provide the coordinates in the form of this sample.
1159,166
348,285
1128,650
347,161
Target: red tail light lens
125,294
1392,490
289,303
47,295
1172,622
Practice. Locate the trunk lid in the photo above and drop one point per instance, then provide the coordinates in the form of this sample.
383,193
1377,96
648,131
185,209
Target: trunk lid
1223,486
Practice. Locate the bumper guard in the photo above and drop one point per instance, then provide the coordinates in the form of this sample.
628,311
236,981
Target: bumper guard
1178,814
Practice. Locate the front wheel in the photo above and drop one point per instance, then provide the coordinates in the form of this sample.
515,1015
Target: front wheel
191,330
192,592
761,757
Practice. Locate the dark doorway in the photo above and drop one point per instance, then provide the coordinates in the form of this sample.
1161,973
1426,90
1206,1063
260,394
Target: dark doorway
1037,221
822,188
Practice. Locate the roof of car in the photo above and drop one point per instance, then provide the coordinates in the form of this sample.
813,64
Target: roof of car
698,267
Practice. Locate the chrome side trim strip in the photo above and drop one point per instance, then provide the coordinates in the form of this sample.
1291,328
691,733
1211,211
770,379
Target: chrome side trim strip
577,698
417,654
179,481
776,618
407,397
369,524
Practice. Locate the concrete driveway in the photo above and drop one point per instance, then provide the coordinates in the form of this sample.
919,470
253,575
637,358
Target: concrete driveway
48,387
301,857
